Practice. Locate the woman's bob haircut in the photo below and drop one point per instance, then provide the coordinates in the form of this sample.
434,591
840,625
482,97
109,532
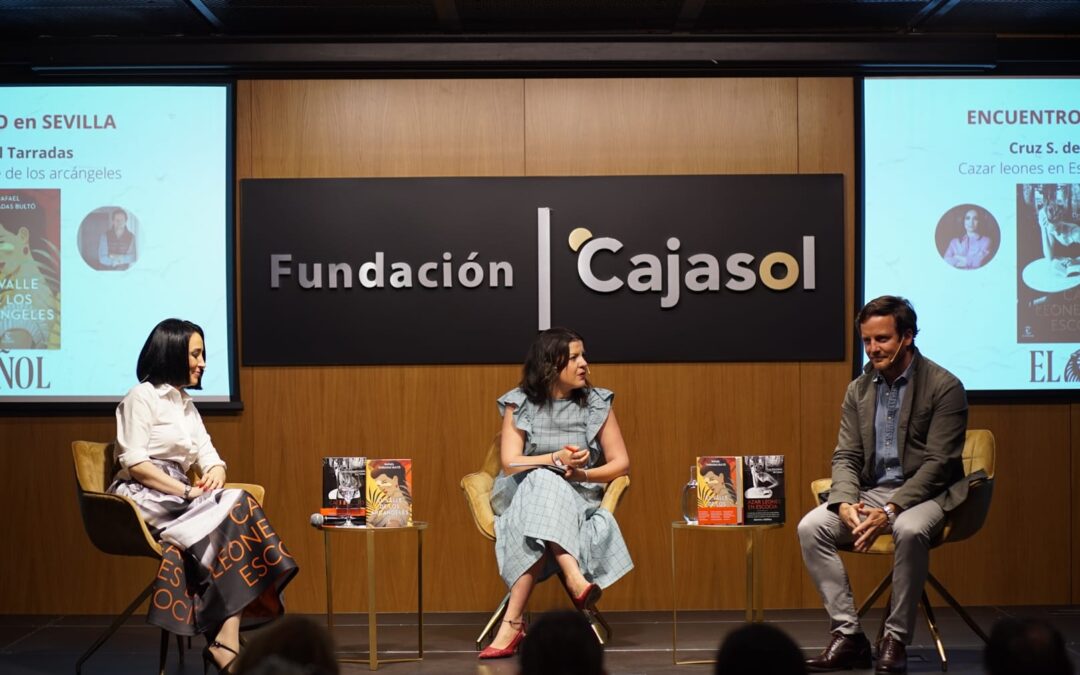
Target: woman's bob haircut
164,357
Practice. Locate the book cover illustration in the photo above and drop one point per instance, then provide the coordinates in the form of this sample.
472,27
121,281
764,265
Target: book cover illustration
720,494
29,269
389,492
343,489
763,480
1048,262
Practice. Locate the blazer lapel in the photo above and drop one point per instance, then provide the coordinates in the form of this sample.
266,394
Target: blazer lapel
905,410
867,408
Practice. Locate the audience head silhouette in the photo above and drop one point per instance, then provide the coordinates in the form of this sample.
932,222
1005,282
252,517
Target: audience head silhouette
292,645
561,643
759,649
1028,646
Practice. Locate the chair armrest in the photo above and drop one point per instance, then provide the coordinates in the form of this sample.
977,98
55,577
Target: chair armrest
114,525
819,487
477,488
256,491
614,492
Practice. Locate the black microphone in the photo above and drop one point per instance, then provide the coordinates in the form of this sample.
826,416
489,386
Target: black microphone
319,520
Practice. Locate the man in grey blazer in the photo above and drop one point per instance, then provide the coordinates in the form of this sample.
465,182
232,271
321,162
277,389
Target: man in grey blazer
896,469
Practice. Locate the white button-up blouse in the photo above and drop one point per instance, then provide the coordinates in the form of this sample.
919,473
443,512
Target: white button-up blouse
161,423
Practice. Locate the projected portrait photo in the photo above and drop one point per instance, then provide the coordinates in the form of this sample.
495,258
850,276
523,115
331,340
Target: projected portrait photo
967,236
108,238
1048,262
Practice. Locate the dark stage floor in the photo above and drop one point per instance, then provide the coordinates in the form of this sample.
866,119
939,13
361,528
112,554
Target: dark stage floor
642,641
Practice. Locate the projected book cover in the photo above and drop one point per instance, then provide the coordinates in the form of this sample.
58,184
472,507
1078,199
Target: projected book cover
389,492
763,480
1048,263
29,269
720,494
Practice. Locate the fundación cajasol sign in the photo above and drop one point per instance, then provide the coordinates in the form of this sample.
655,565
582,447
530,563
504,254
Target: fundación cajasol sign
466,270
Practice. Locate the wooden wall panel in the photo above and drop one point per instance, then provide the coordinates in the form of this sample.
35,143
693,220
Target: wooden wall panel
655,126
319,128
826,145
1011,559
56,569
444,416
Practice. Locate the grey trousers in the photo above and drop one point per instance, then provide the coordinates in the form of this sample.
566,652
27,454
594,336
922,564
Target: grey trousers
821,531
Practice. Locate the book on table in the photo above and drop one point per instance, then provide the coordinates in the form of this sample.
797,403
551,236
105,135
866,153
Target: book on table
720,493
343,490
389,492
763,484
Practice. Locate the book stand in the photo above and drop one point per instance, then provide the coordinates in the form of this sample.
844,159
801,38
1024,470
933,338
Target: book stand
371,534
755,606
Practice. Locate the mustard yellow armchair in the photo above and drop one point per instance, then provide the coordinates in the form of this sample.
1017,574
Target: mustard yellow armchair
963,522
115,526
477,488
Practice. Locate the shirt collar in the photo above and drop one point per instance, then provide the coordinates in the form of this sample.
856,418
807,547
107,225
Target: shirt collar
169,391
904,377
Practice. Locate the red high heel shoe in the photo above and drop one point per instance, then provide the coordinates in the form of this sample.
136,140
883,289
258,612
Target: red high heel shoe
589,597
490,652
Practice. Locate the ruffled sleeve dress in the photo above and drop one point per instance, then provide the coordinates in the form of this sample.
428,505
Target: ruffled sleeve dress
539,506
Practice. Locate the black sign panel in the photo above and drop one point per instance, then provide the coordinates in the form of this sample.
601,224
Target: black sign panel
466,270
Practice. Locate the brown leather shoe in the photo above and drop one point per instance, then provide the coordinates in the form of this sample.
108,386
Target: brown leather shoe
843,652
892,656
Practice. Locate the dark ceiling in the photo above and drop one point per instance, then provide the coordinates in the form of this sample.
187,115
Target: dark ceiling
466,36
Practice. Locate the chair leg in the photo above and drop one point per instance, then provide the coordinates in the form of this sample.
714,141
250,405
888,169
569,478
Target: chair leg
956,606
139,599
597,622
931,623
180,647
496,617
592,615
163,651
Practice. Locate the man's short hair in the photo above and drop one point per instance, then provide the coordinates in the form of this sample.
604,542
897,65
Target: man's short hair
898,308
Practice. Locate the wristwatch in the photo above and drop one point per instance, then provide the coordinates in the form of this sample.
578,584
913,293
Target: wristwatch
556,461
187,493
890,513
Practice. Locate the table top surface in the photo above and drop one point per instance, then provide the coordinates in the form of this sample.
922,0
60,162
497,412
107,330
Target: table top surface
682,525
417,525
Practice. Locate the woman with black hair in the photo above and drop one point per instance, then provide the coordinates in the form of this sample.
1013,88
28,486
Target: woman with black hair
550,520
221,560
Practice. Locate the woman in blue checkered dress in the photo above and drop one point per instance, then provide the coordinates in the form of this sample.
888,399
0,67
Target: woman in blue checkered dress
560,445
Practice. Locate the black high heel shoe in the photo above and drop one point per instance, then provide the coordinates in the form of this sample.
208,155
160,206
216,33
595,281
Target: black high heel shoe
209,660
